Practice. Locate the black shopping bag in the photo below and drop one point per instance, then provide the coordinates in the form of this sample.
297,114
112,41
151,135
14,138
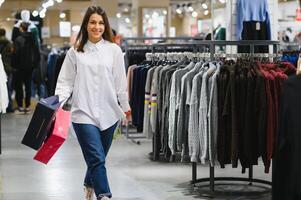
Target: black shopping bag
41,122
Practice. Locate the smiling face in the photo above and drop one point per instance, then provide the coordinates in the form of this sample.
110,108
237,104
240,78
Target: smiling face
95,28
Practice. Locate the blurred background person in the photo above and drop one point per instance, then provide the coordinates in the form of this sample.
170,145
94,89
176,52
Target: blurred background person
26,58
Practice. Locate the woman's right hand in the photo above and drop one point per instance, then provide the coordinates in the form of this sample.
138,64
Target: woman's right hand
128,118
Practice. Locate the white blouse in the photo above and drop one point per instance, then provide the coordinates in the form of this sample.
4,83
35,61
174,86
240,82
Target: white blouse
97,80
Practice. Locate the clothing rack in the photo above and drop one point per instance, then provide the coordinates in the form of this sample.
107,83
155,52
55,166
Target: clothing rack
133,136
212,177
212,45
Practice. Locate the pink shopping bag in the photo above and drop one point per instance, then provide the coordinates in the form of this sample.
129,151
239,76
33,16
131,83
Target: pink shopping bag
56,138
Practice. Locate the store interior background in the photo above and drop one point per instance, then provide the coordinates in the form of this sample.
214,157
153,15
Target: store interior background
61,19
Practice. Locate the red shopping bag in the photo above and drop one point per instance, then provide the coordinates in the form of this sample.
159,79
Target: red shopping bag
56,138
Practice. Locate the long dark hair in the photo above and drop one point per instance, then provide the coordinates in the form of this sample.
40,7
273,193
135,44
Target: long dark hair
82,36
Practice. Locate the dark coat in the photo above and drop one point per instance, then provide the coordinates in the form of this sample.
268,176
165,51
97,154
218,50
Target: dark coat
26,55
287,159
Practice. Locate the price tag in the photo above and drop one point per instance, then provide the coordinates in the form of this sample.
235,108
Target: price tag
257,26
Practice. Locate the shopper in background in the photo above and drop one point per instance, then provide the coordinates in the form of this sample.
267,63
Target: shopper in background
6,53
94,73
117,38
26,57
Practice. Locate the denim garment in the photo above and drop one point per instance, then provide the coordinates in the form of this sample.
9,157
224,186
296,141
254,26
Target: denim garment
95,145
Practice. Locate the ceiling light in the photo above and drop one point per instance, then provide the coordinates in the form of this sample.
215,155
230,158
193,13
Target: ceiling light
118,15
50,2
206,12
204,5
194,14
179,11
62,15
165,12
35,13
44,10
76,28
59,1
42,14
223,1
127,20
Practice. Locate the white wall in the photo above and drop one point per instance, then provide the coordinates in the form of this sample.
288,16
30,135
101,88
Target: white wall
287,13
287,10
219,17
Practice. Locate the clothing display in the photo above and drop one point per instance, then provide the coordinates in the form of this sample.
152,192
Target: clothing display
210,111
54,63
253,23
290,56
135,55
256,13
25,17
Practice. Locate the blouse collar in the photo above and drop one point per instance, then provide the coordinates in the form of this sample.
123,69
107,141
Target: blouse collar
94,46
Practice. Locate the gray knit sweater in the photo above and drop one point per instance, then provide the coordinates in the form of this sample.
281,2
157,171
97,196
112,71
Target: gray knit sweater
147,131
213,117
203,113
154,91
173,110
183,110
193,128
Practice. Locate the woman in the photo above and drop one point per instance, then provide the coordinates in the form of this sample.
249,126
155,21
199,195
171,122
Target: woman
94,73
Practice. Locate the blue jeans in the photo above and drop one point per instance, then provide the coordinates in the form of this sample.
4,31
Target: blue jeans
95,145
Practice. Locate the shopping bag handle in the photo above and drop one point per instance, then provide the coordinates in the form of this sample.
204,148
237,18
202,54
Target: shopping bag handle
65,104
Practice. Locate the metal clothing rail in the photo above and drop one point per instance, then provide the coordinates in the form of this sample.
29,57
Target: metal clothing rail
212,45
160,38
212,177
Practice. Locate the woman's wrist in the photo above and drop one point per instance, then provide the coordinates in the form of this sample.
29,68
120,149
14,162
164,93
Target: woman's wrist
128,113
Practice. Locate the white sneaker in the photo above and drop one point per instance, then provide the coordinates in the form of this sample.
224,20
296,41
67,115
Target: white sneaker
19,111
27,110
89,192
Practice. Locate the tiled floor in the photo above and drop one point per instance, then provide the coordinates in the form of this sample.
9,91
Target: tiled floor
132,175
